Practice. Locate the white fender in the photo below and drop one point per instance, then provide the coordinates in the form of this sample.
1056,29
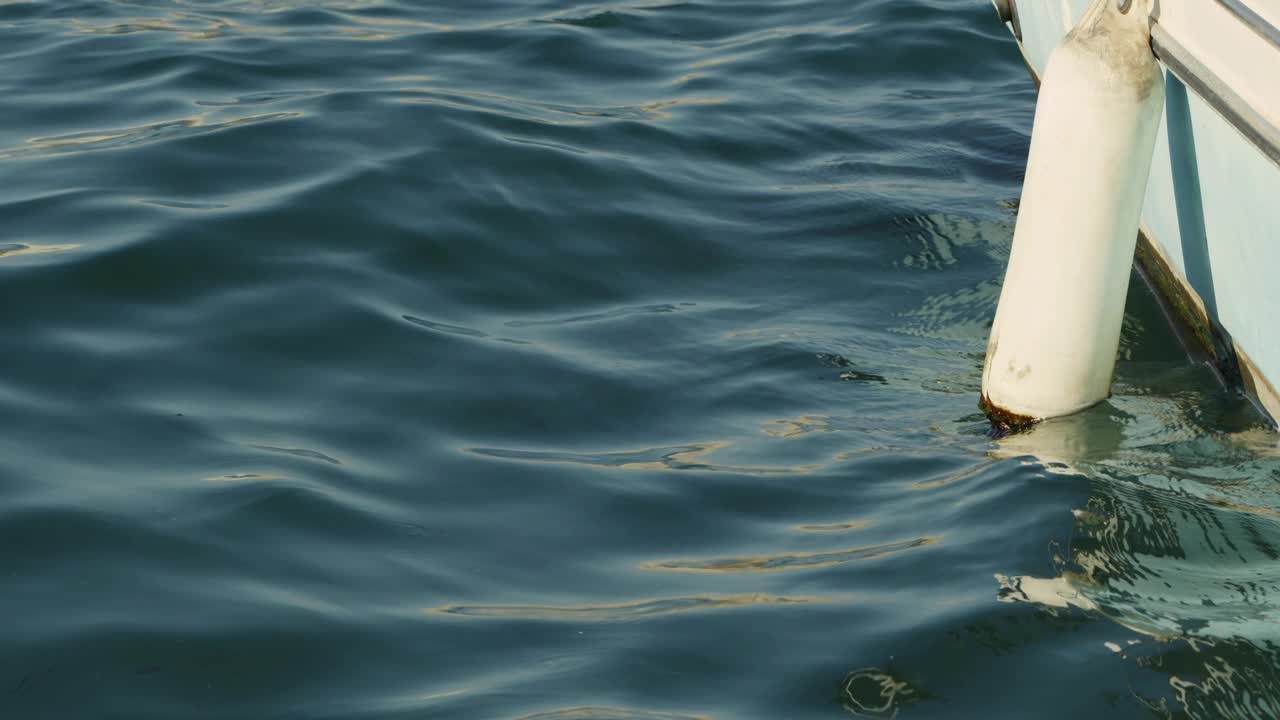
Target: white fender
1057,328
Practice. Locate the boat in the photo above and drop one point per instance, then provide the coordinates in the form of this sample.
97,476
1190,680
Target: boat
1209,238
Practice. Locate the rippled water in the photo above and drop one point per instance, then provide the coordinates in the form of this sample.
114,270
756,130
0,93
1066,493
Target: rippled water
498,359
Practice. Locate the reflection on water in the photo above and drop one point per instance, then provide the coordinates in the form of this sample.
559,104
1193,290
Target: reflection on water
118,138
795,427
1056,592
790,561
622,611
875,693
11,249
1185,553
609,713
838,527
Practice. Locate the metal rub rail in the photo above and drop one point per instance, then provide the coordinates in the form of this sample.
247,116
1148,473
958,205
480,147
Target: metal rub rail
1256,22
1257,128
1236,110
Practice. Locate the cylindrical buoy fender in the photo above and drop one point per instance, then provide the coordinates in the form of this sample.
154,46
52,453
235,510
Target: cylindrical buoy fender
1053,343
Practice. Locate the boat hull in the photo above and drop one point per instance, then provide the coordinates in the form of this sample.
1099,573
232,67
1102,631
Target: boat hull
1210,232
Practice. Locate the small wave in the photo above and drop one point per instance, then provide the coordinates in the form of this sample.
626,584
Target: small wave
680,457
833,527
587,712
790,561
443,327
116,138
955,477
185,205
241,477
622,611
261,98
596,317
299,452
600,20
460,330
551,113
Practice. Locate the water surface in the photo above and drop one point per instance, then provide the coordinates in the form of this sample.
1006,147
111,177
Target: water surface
610,361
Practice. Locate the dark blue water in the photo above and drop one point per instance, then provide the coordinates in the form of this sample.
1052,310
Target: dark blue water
532,359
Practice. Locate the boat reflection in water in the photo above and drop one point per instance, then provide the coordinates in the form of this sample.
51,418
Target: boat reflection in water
1179,542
